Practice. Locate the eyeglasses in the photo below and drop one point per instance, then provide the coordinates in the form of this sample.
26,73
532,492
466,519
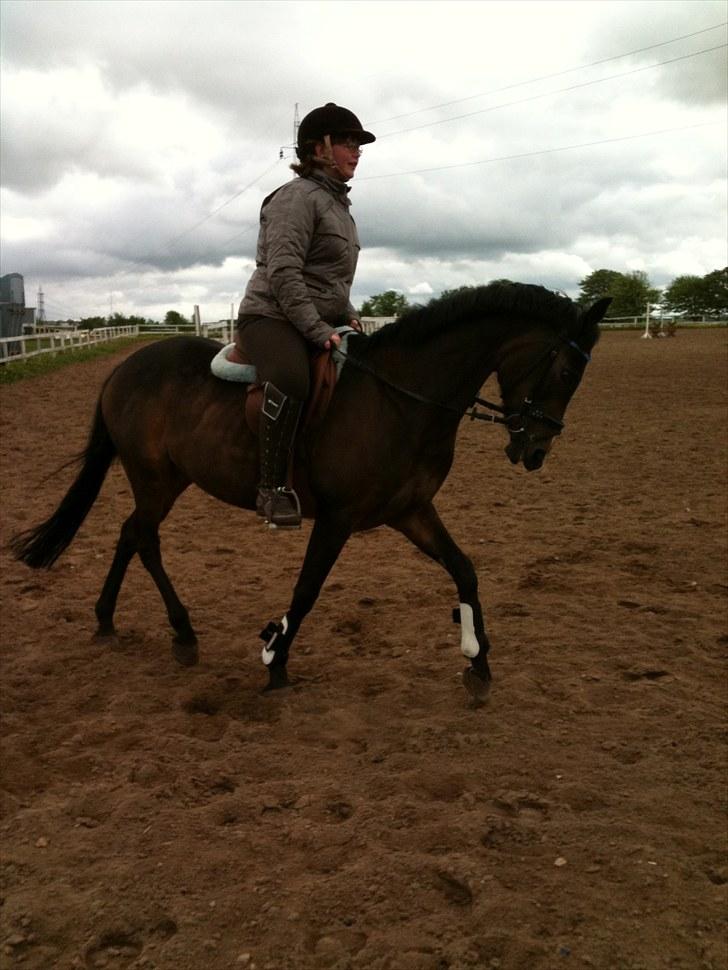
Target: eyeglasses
351,144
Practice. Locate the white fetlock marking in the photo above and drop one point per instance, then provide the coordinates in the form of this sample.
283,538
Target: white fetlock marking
268,655
468,640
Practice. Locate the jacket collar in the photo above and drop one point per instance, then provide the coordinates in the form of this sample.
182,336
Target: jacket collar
340,190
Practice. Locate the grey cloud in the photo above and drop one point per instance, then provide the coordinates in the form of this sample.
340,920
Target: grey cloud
240,68
697,80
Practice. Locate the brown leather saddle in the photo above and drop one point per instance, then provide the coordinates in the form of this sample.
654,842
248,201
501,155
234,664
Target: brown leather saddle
323,382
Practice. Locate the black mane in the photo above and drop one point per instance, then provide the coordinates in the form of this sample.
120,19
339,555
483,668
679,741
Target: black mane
534,303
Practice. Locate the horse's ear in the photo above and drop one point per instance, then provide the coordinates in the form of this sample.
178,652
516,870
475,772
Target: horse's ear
596,311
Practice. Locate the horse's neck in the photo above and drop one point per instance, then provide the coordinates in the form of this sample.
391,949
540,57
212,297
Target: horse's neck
452,365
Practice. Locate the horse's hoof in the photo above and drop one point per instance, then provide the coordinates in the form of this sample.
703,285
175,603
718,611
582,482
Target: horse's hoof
277,680
185,653
106,636
476,686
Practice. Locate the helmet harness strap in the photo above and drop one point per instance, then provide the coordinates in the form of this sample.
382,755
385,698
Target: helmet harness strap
327,157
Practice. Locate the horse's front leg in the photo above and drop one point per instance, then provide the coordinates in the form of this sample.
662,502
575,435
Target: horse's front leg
424,528
328,538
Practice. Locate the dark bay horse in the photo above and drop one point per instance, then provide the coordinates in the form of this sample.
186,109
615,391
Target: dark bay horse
383,450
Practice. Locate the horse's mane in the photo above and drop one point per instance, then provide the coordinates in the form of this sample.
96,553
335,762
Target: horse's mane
533,303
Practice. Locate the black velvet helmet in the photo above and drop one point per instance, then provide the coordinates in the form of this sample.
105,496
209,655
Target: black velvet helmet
330,120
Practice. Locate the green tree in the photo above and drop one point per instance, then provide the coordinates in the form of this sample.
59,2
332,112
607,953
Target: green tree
685,295
602,282
632,295
92,323
699,295
389,304
630,292
174,319
716,287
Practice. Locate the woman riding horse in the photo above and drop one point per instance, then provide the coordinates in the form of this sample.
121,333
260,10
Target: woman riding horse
300,291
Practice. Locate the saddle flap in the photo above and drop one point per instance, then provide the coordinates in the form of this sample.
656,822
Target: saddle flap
323,382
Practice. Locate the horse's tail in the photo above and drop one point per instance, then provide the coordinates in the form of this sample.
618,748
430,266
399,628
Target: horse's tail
41,546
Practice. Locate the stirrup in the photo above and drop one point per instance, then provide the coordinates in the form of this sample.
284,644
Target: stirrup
279,507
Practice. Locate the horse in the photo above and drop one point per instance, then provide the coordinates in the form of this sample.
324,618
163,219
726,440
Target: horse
378,457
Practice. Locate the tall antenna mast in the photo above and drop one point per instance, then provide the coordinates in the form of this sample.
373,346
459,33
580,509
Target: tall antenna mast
40,309
296,124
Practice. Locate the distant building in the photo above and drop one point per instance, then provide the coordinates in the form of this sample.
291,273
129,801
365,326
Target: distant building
12,305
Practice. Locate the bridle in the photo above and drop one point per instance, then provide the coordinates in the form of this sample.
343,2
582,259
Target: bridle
516,421
529,412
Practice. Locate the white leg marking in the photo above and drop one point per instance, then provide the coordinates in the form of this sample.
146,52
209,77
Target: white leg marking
268,655
468,640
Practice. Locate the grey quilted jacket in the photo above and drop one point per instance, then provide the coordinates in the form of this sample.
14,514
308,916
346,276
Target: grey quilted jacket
307,253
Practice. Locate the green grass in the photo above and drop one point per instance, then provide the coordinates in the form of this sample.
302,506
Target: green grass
45,363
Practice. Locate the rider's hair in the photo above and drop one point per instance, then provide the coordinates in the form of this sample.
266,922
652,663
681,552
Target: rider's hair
307,162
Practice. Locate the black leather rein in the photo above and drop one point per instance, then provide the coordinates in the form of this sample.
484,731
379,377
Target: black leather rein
527,411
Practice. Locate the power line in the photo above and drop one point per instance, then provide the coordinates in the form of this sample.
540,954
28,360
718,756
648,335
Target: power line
54,306
548,94
238,235
214,212
541,151
546,77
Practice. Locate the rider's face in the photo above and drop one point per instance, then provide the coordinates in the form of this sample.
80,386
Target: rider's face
345,155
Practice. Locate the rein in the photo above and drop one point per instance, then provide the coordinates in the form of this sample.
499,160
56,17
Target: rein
413,395
528,410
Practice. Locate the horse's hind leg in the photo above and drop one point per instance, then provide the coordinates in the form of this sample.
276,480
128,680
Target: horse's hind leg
424,528
140,533
184,647
106,603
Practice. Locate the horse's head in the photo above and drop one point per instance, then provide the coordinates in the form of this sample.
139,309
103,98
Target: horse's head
538,375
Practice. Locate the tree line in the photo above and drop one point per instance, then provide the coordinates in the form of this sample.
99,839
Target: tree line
691,296
171,319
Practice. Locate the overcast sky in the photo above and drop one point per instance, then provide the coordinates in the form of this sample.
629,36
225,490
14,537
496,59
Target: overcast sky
532,141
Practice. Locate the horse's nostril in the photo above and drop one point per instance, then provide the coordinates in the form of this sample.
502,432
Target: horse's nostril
513,452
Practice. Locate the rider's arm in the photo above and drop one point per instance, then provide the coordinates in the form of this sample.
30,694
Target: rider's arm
290,219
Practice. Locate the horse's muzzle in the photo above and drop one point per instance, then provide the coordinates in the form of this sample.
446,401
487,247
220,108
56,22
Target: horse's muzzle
519,450
514,450
534,459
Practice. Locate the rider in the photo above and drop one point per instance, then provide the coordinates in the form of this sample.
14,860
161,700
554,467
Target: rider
300,291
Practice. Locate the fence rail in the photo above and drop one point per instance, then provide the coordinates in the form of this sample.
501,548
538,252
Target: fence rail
31,345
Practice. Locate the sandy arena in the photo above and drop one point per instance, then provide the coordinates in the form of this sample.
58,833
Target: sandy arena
161,818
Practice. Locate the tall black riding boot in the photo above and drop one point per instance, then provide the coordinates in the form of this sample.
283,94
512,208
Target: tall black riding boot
276,503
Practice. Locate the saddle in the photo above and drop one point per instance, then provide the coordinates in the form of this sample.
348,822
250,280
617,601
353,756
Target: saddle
232,364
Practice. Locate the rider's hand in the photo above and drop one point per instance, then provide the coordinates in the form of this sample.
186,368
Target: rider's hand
334,340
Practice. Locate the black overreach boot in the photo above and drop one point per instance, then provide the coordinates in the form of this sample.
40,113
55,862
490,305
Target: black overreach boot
276,503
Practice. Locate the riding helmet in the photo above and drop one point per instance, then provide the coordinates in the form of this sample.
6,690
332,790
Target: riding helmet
330,120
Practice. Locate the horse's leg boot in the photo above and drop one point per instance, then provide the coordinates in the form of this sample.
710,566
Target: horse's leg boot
277,503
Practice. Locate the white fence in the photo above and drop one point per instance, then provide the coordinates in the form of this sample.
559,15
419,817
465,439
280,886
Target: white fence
655,320
370,324
31,345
